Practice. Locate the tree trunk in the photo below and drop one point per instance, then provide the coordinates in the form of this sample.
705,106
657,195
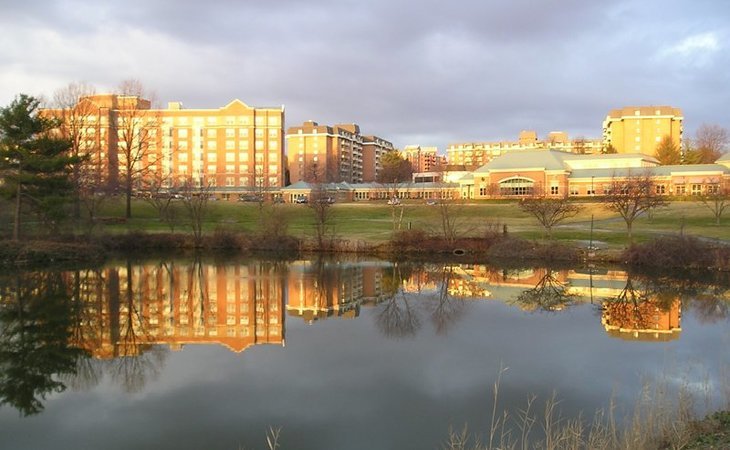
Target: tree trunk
16,223
628,229
128,194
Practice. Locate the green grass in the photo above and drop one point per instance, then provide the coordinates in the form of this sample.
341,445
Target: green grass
373,221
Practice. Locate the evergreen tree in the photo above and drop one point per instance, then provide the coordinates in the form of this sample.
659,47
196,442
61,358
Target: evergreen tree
667,152
34,163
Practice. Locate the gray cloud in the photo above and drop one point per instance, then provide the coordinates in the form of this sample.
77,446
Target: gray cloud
431,72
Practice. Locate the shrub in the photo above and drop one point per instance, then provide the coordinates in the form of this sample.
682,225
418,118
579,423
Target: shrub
514,248
13,253
407,239
137,240
677,251
223,239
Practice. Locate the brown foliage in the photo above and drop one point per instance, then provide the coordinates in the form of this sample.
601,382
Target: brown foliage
678,251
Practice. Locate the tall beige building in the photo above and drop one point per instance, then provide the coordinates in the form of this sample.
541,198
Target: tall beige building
236,146
333,153
475,154
639,129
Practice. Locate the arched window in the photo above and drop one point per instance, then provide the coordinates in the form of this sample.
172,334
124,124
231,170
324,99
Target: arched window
516,186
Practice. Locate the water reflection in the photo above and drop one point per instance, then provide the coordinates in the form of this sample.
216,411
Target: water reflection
323,288
35,339
129,315
642,312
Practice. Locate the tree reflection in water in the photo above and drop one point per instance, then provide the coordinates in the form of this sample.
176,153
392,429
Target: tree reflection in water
138,361
448,309
397,317
400,313
549,294
36,316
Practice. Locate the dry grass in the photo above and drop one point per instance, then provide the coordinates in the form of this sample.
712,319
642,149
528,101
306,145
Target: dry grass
663,417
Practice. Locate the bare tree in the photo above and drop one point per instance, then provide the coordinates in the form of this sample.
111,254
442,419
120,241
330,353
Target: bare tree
631,196
716,198
451,217
77,124
710,142
320,203
195,201
549,211
396,172
93,192
136,126
162,200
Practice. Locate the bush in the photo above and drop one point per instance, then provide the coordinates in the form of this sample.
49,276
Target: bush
137,240
32,253
514,248
678,251
268,242
511,247
223,239
410,239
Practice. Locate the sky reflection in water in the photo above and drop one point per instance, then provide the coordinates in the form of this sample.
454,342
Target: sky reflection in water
197,354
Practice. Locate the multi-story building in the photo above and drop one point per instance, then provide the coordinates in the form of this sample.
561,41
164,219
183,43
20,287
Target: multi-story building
423,159
331,154
373,149
475,154
639,129
322,153
233,146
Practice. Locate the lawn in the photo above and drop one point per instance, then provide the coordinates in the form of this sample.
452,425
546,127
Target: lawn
373,221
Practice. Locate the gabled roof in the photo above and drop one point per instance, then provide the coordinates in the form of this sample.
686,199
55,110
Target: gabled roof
558,160
236,102
539,159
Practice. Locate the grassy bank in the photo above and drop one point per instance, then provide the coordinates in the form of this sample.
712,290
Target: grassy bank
373,221
407,230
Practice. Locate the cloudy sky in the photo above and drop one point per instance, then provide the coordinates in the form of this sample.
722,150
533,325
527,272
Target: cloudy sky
415,72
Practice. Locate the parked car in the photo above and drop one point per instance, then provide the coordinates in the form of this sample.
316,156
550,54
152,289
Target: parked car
301,200
328,200
250,198
394,201
431,202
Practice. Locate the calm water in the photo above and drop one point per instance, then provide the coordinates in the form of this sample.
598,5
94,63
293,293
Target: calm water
339,354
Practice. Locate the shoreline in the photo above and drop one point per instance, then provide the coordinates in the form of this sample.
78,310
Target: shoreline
680,252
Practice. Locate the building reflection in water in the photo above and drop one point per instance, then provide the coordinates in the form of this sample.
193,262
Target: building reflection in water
638,313
174,303
322,288
127,316
129,308
628,309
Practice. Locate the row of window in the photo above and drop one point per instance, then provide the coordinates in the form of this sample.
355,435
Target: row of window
260,120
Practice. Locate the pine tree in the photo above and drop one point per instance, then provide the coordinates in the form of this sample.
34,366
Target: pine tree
667,152
34,163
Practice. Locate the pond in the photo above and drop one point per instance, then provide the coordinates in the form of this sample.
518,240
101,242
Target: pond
339,354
